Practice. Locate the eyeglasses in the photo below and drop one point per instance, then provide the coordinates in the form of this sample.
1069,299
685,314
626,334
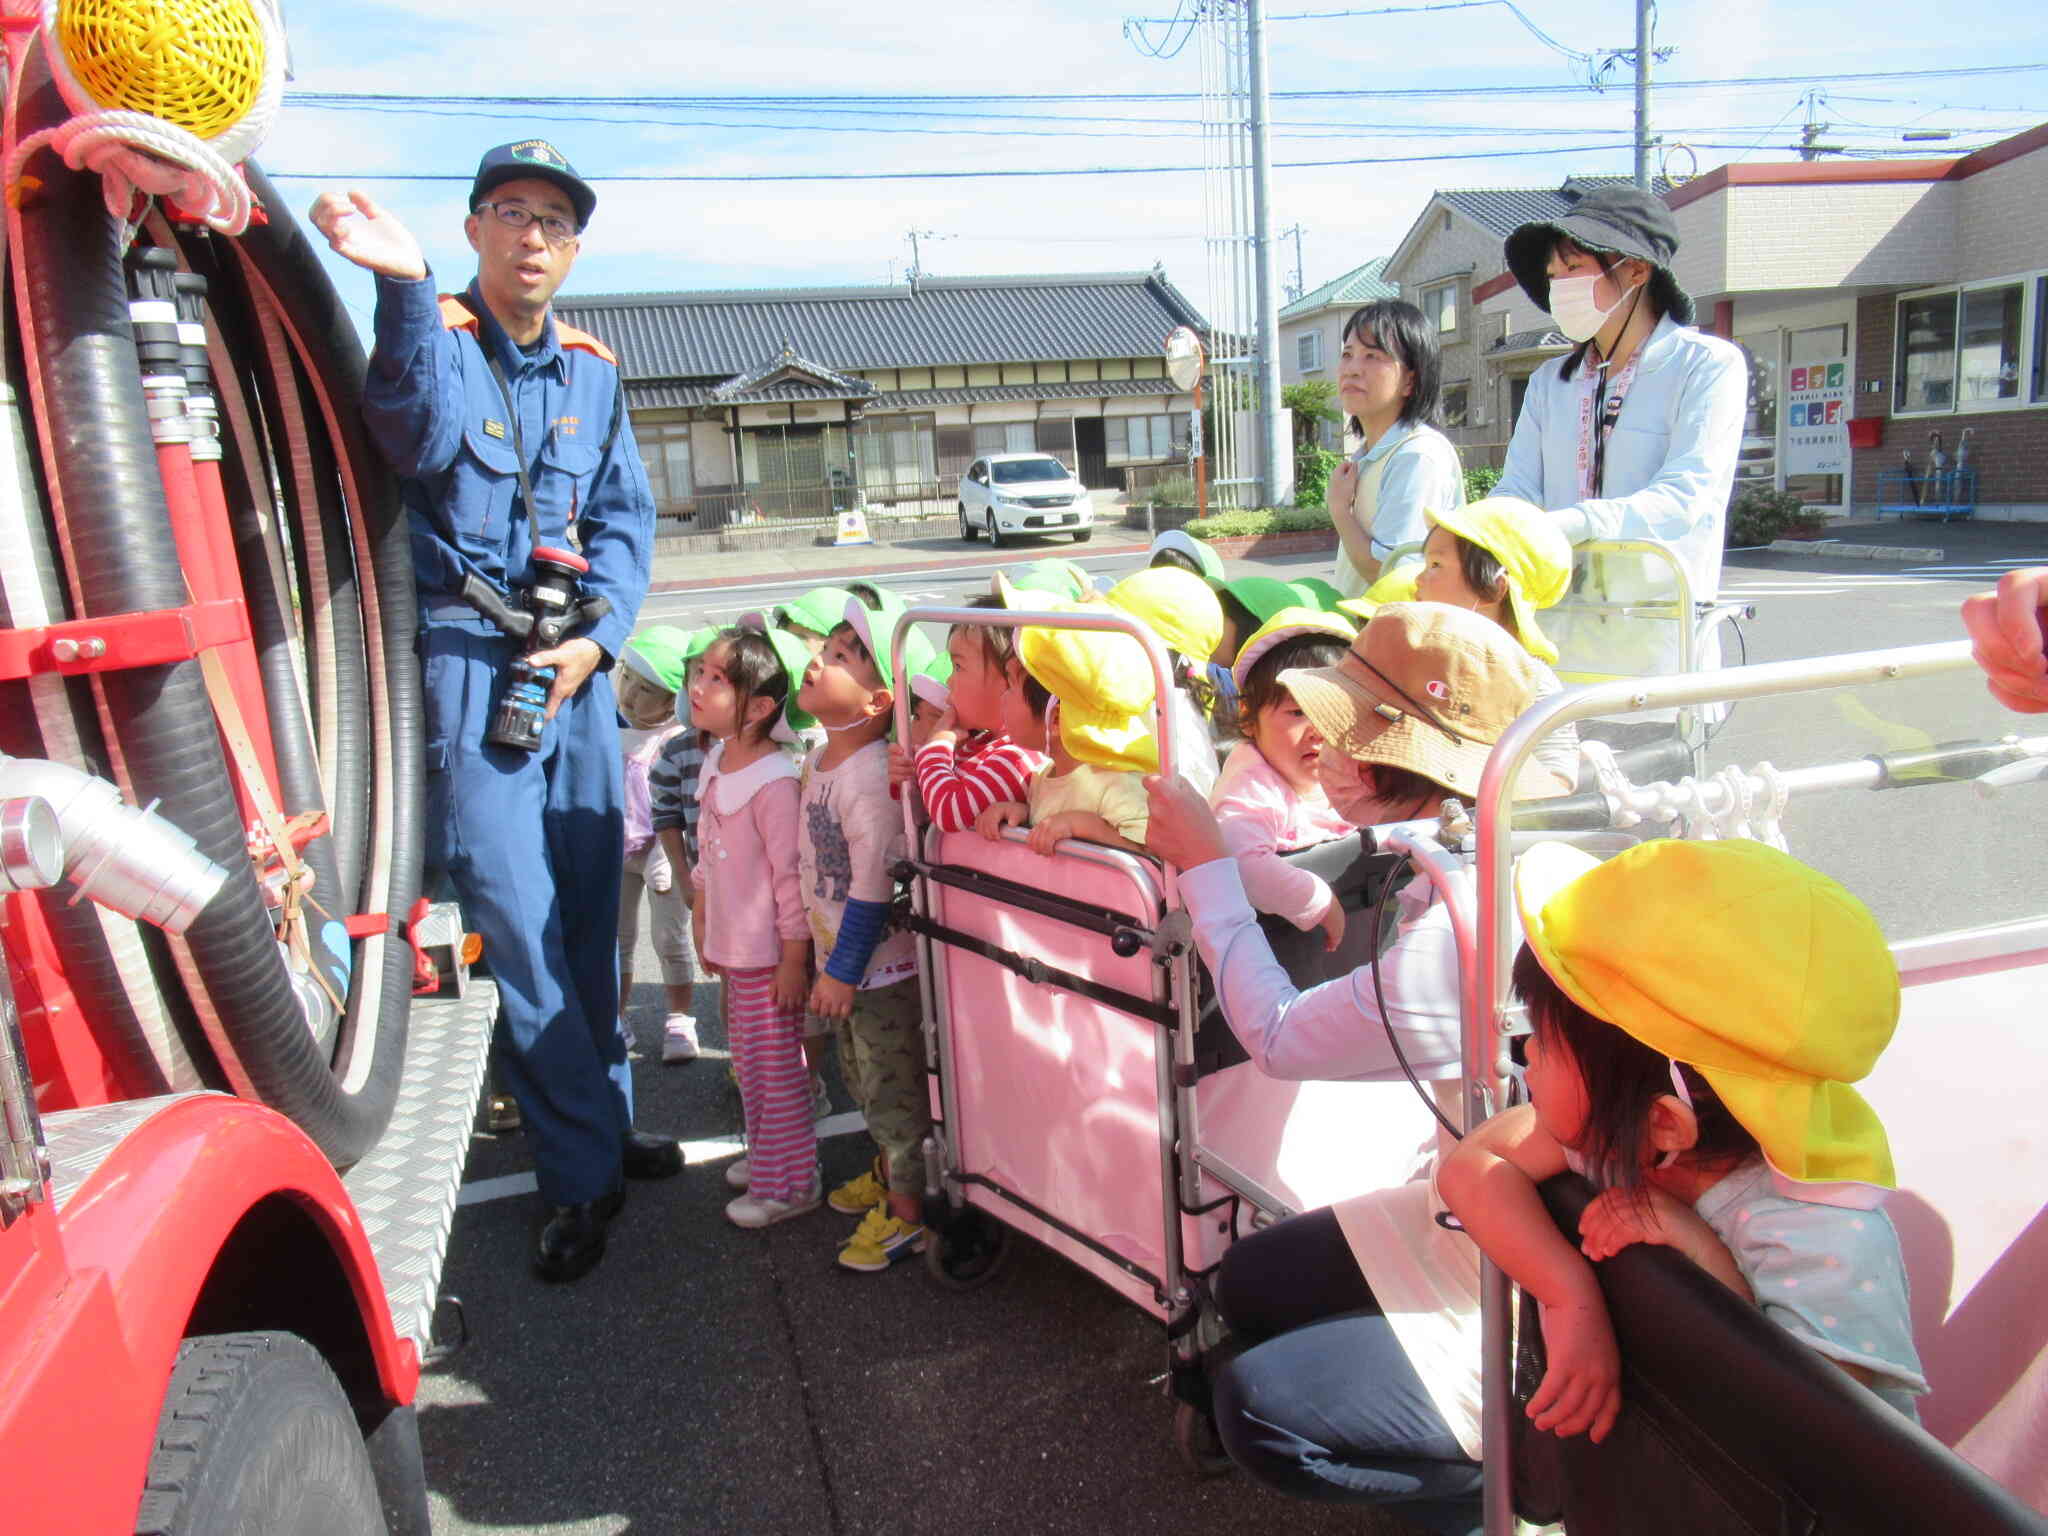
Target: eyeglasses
519,216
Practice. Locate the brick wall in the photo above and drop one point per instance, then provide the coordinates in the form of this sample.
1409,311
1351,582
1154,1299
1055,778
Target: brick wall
2008,449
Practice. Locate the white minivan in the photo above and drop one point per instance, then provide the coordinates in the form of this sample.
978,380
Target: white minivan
1006,493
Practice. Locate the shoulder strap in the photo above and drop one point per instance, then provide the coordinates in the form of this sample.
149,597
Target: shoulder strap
583,341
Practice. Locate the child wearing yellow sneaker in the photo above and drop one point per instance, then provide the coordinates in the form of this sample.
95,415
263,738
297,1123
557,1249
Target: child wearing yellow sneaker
849,839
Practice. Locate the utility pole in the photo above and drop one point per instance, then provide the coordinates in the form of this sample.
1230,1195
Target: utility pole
916,263
1298,287
1276,463
1643,8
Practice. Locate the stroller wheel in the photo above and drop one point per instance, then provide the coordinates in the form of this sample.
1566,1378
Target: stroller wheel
1195,1437
966,1252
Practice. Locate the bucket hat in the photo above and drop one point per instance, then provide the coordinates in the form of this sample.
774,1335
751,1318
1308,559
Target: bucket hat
1317,593
1102,680
1178,607
1263,597
536,158
1285,625
1174,539
1532,550
1612,221
820,610
933,681
1425,687
876,626
660,655
1059,578
1770,980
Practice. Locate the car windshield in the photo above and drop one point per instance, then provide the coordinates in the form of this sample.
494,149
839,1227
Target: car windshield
1028,471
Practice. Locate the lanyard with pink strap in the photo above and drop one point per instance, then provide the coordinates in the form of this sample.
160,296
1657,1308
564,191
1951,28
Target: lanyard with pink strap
1599,409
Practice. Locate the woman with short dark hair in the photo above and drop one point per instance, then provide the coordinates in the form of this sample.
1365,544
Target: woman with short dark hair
1381,497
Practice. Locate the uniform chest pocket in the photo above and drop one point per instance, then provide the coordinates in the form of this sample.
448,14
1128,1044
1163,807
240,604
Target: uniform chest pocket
482,487
562,480
1634,456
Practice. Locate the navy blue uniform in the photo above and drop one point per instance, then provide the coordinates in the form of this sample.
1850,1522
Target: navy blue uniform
533,841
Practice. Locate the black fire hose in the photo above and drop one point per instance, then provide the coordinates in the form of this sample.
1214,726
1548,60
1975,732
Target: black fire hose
126,560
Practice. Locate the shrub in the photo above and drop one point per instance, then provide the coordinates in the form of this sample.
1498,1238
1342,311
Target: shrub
1239,525
1171,491
1759,514
1480,480
1312,467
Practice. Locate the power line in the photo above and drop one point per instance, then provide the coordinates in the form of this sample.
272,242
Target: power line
822,102
975,175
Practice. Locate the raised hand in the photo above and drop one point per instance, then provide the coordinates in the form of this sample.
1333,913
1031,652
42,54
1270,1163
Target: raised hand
368,235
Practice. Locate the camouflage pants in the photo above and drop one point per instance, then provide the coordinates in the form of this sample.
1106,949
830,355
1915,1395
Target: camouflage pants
881,1056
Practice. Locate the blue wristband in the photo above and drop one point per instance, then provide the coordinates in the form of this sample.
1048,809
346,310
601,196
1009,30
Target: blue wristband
860,931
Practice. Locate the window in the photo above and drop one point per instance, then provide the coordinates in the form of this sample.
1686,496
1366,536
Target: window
1960,348
1140,439
1308,351
1517,388
1005,437
1440,304
1457,403
665,450
2040,388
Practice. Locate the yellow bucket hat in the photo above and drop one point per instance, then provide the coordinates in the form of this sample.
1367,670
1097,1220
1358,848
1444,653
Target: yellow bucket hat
1531,549
1769,979
1103,682
1180,607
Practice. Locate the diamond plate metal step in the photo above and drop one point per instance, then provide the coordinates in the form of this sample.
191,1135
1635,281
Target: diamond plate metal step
406,1187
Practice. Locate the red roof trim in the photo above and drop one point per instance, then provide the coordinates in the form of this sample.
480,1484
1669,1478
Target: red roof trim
1854,173
1493,286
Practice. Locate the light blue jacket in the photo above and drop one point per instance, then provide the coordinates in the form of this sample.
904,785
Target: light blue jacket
1670,463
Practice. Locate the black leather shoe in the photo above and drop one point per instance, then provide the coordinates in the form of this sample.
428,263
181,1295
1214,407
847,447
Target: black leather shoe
648,1156
573,1240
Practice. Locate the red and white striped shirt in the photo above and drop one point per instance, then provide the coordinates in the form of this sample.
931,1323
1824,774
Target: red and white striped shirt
987,769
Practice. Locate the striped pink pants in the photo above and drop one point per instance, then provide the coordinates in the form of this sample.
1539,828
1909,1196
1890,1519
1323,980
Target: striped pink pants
775,1086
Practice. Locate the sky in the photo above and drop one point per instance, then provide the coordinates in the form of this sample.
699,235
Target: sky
654,236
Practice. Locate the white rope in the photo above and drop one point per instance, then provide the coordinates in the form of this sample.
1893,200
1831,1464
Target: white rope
136,152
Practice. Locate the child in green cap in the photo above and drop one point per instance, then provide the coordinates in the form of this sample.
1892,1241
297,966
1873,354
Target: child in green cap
651,675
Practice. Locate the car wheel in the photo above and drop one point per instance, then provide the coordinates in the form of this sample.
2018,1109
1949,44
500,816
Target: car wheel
1083,535
966,528
995,533
257,1435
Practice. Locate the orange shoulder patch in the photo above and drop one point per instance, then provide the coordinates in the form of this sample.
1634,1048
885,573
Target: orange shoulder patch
455,314
583,341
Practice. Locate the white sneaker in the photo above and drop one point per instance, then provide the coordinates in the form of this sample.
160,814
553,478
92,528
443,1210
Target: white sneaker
738,1174
753,1211
679,1038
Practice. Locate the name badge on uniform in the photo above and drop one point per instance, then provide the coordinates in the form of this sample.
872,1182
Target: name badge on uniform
494,428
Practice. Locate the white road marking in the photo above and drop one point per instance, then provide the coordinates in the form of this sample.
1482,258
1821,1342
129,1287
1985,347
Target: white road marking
712,1149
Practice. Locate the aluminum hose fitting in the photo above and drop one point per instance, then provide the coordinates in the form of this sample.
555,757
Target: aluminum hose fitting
134,861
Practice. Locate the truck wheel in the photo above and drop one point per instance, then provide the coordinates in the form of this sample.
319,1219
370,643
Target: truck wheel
257,1436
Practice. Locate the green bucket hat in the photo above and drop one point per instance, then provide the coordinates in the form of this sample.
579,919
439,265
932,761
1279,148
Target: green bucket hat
875,626
1181,543
1263,597
1317,593
820,610
660,655
1060,578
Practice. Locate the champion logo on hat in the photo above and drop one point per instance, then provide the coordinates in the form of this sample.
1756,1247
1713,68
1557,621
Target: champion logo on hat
1436,688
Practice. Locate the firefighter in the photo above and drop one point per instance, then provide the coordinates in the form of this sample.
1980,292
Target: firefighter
508,431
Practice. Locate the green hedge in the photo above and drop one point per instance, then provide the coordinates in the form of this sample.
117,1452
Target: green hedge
1480,481
1239,525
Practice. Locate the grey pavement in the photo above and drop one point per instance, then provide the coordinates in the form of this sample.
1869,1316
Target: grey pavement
708,1379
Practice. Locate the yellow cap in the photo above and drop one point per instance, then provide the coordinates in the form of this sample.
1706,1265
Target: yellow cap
1531,549
1769,979
1102,680
1180,607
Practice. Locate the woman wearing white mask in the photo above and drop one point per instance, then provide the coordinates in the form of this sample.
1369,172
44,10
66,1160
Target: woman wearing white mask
1634,434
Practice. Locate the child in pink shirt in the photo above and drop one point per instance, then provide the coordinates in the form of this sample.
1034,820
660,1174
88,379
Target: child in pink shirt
1267,799
750,924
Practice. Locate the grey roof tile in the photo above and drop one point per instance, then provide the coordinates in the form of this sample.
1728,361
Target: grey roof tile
1358,286
942,321
1529,341
1503,210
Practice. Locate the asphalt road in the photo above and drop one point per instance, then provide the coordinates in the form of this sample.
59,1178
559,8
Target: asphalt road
707,1379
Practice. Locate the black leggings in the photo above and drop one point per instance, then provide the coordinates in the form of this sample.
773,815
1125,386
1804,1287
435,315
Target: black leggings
1289,1275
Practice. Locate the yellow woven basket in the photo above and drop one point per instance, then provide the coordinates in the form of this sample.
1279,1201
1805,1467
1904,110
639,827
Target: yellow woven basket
196,63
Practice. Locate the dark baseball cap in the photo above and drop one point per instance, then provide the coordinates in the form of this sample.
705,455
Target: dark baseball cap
537,158
1610,221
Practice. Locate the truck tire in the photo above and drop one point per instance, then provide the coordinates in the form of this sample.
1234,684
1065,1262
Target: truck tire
257,1438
